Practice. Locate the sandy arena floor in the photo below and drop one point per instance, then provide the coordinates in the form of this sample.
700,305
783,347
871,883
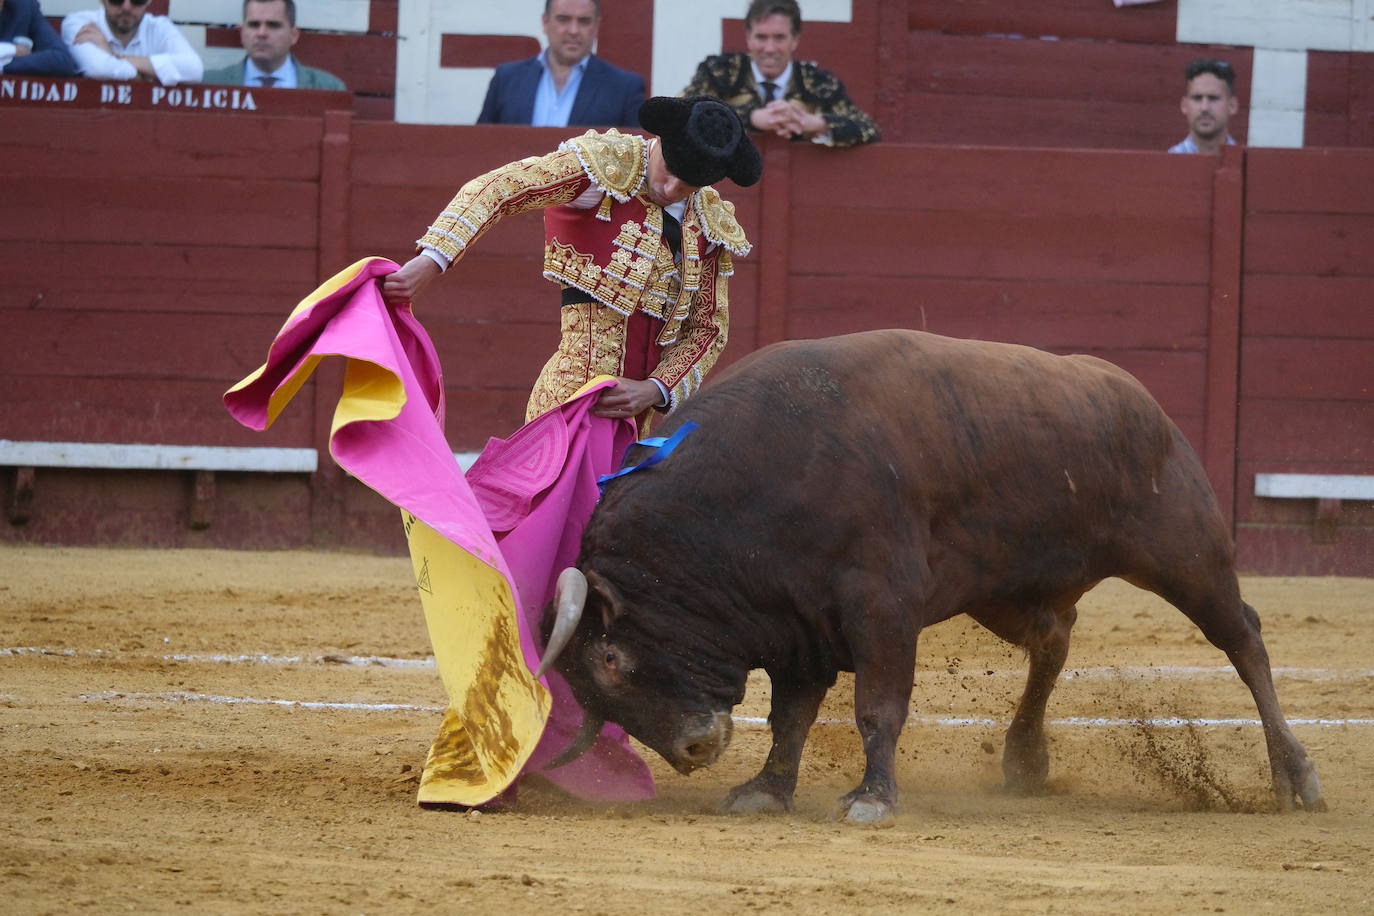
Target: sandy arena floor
232,732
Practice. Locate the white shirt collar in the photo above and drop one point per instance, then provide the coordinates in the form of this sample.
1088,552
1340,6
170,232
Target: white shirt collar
580,65
780,82
285,74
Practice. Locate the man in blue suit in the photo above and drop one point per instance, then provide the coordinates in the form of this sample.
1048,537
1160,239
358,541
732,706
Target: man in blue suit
566,84
28,44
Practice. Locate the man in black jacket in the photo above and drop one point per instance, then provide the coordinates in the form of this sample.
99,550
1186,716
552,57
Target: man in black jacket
773,92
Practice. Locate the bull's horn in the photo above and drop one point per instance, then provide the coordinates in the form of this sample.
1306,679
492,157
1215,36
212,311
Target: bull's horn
570,596
581,743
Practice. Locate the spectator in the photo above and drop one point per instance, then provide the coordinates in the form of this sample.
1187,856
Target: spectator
773,92
1209,103
120,42
268,34
640,246
566,83
28,45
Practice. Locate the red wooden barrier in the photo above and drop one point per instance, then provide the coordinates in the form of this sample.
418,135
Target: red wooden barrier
138,284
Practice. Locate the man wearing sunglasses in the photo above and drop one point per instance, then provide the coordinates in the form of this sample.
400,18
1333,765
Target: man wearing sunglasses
1209,103
119,42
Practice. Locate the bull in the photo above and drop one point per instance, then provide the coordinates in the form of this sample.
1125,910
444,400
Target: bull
838,496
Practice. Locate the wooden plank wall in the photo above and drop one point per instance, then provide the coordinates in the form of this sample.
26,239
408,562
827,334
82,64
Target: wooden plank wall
1307,361
1072,251
146,258
1060,73
138,285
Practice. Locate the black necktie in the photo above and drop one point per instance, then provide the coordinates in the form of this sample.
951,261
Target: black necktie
672,234
267,81
769,91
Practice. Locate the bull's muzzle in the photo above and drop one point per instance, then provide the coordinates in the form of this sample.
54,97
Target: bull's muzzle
701,741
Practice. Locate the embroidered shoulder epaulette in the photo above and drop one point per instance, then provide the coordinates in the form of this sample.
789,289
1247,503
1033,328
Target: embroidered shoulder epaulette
718,223
615,162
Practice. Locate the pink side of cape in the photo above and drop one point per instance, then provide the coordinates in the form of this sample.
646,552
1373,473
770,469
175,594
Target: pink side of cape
521,508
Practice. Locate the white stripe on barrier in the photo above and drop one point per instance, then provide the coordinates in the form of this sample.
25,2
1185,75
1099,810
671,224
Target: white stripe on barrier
140,456
1315,486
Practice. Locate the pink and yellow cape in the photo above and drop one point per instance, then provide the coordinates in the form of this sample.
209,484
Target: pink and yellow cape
486,546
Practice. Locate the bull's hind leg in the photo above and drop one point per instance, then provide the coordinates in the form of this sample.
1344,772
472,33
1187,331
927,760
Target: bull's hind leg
1211,599
792,714
1043,632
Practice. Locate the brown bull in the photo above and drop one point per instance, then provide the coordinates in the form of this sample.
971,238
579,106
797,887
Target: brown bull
838,496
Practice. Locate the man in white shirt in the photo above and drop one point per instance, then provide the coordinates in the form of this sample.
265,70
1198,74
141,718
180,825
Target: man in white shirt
119,42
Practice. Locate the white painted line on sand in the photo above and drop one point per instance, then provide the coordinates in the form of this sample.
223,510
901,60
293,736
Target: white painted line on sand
1100,672
216,658
1100,722
181,696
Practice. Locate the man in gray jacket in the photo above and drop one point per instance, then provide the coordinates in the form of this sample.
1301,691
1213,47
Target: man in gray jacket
269,33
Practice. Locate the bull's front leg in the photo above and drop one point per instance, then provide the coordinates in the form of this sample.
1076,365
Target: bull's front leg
882,694
793,712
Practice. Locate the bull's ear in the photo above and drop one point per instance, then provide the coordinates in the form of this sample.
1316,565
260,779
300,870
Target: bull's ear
611,605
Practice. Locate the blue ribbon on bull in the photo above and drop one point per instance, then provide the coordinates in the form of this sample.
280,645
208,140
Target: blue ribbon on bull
663,447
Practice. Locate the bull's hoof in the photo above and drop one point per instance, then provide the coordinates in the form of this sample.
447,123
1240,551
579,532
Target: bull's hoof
1025,765
754,801
1024,784
869,811
1308,795
1296,787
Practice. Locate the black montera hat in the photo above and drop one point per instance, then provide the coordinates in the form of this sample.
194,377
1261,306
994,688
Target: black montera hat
703,140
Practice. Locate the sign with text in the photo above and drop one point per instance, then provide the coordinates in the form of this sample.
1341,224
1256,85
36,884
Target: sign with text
144,96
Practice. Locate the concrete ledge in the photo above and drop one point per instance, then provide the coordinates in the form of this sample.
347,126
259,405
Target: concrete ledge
135,456
1315,486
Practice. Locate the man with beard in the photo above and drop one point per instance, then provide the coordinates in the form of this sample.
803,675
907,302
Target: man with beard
1209,103
119,42
773,93
566,83
268,34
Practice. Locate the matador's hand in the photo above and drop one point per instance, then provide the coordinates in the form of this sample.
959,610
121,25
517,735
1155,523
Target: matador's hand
405,284
629,398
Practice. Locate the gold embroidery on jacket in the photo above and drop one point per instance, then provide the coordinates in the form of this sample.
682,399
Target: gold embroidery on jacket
592,343
718,222
616,163
690,297
699,337
530,184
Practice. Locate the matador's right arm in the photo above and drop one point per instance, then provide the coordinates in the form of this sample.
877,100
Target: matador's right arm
530,184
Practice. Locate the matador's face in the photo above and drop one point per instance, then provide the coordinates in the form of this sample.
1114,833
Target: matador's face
663,187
